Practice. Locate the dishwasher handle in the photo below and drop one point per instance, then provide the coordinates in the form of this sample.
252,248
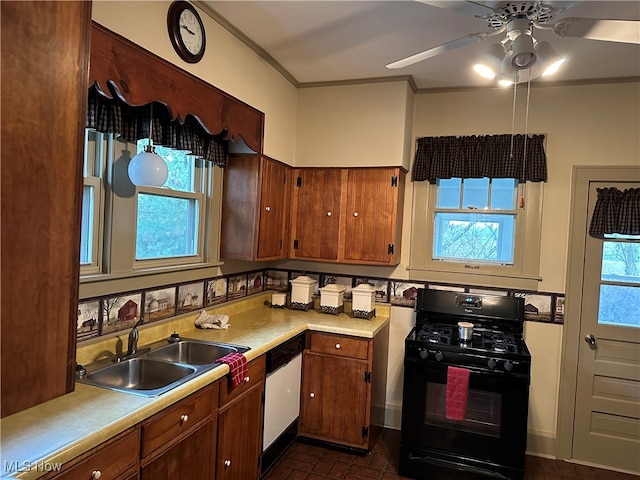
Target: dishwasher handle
282,354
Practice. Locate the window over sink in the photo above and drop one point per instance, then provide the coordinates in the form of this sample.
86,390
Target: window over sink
128,229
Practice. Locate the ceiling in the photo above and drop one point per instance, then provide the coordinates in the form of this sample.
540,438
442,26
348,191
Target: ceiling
313,42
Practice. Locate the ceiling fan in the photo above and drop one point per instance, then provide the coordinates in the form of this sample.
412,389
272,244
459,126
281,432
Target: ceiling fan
519,49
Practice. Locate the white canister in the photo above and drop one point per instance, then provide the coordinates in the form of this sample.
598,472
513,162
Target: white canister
302,289
278,300
332,299
364,301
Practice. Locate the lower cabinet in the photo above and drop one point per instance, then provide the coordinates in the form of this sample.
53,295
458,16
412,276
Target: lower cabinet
342,389
240,426
178,442
115,459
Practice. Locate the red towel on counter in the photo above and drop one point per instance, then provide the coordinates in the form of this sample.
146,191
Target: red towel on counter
457,392
237,367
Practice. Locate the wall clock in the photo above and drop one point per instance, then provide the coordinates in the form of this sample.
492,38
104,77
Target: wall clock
186,31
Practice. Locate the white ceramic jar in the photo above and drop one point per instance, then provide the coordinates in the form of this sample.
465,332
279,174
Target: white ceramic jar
332,298
364,301
302,289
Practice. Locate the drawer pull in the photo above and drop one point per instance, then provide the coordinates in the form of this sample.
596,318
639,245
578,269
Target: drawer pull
267,208
96,474
246,379
312,395
337,346
227,463
184,418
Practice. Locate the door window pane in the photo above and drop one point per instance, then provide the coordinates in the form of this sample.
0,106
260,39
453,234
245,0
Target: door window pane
619,306
621,261
166,226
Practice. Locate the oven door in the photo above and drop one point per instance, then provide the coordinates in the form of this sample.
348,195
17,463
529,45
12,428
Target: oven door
493,434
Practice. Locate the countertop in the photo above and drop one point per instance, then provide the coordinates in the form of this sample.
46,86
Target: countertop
33,440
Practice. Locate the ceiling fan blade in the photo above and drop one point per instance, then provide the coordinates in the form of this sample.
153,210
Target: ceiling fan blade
624,31
432,52
468,8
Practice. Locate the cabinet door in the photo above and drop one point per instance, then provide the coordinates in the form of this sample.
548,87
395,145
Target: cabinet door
371,216
239,437
275,179
335,400
317,195
189,459
46,90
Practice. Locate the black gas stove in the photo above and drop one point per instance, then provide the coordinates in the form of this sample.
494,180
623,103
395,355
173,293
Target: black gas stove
490,441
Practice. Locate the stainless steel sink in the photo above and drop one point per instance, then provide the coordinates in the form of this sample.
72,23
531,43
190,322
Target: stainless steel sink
142,375
195,352
159,368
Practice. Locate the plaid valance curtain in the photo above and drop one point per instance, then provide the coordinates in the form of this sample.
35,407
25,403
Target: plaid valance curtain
112,115
616,211
492,156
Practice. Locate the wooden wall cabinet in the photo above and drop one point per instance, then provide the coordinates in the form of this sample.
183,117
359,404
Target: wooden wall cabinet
342,380
240,426
44,95
255,208
347,215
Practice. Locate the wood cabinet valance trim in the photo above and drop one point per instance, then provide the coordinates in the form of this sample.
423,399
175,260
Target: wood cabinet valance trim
142,77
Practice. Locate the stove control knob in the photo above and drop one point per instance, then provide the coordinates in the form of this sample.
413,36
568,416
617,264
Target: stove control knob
492,363
423,354
508,365
439,355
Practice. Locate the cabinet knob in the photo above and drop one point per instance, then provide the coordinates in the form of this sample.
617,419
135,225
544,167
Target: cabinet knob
227,463
337,346
183,418
312,395
246,379
355,214
267,208
328,214
96,474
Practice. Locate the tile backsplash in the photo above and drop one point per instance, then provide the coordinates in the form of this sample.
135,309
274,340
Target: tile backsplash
103,315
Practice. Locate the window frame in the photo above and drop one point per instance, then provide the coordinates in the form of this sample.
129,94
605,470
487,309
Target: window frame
523,274
117,268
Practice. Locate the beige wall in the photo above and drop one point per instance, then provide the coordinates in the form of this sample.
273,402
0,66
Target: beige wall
376,124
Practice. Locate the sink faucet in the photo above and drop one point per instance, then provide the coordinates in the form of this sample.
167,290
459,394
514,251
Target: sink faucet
132,347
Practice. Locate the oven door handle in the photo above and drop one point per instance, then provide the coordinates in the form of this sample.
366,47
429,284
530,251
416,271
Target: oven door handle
458,466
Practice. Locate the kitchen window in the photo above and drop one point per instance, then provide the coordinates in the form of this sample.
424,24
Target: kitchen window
477,210
129,230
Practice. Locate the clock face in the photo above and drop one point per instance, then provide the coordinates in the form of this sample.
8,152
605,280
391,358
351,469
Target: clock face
191,32
186,31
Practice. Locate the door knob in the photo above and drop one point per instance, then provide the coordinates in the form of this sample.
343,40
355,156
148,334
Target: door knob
312,395
591,340
328,214
227,463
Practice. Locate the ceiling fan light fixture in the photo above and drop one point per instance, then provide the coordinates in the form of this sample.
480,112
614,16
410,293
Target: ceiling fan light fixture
523,52
550,61
490,63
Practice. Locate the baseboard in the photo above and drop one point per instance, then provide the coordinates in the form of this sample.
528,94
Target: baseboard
393,416
541,445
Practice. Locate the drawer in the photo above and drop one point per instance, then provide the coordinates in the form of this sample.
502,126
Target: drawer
256,372
166,427
109,462
339,345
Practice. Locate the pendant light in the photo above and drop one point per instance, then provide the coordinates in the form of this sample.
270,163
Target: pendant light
147,168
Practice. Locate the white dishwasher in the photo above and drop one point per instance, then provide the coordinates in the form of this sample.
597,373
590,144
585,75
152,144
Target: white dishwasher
281,399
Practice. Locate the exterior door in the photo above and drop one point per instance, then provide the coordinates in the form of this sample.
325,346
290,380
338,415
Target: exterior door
607,408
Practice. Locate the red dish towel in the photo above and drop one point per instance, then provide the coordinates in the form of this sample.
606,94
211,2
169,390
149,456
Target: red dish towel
457,392
237,367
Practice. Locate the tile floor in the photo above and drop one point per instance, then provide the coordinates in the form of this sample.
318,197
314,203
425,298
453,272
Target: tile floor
311,462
